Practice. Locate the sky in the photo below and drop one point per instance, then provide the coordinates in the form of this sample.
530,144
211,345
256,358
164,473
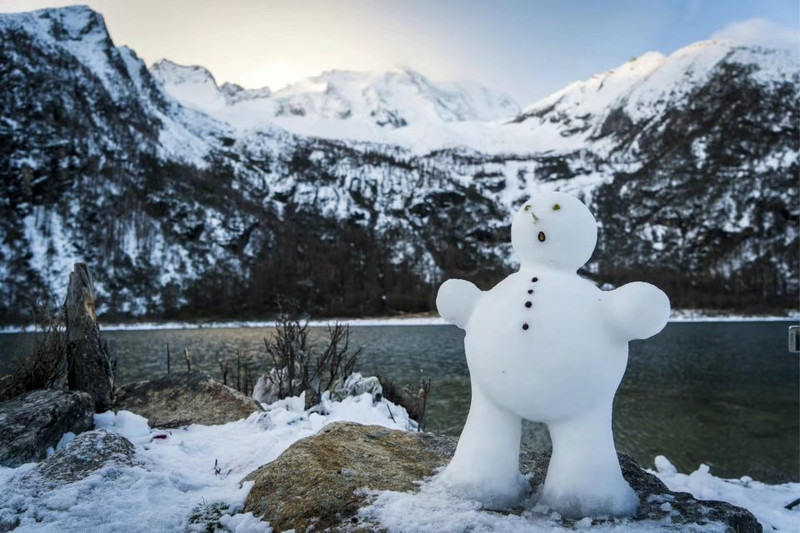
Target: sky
528,48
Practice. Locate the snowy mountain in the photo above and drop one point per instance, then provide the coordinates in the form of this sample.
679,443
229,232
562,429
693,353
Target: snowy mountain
648,87
356,193
341,104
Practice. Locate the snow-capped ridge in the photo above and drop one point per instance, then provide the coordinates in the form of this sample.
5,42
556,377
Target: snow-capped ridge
340,104
645,87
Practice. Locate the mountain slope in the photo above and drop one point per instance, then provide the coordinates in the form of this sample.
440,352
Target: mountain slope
703,151
689,162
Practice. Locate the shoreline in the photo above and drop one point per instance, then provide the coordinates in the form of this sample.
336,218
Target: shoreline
677,316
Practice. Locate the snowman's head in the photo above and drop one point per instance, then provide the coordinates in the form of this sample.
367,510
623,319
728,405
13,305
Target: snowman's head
554,229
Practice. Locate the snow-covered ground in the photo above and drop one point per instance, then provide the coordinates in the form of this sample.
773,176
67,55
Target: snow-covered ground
175,474
678,315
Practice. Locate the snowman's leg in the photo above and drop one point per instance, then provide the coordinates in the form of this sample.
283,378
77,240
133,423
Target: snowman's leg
584,476
486,463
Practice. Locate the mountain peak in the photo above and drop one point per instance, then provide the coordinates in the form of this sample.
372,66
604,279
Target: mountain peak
646,83
169,72
73,23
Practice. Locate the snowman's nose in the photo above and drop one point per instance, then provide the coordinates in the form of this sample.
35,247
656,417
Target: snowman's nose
529,209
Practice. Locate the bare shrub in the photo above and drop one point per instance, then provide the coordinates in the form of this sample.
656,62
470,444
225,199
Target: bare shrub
336,362
239,370
299,366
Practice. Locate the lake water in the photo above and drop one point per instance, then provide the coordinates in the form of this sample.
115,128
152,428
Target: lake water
725,393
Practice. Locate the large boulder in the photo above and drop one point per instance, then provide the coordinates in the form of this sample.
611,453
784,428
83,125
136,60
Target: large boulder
319,481
89,452
86,453
316,479
185,398
33,422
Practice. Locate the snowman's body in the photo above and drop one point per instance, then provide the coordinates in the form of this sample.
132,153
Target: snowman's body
548,346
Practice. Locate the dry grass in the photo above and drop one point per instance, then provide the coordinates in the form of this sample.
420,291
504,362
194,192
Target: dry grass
45,366
415,402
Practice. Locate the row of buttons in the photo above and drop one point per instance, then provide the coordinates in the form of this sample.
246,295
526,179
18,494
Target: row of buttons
529,304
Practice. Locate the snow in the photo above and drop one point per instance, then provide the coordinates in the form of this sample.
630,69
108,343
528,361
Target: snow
174,474
130,425
175,470
52,252
404,108
766,502
65,439
546,345
396,107
436,510
244,523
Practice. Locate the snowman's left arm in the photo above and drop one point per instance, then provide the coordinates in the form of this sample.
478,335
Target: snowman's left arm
636,310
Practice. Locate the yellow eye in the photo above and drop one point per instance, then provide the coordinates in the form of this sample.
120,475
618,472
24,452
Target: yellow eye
526,208
556,207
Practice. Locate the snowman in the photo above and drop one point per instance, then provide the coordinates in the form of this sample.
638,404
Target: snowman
547,345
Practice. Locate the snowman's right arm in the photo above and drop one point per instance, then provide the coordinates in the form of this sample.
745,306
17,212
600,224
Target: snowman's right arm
456,300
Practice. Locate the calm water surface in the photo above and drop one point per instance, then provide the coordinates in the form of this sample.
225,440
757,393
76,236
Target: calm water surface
724,394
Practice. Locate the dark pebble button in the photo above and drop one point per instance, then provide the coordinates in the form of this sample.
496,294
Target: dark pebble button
534,279
530,291
528,304
525,326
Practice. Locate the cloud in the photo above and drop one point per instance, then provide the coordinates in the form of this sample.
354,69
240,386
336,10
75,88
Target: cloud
762,32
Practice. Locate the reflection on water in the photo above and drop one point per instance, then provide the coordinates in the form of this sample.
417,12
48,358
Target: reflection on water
724,394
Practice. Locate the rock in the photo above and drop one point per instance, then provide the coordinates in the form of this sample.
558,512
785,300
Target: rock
185,398
90,360
83,455
33,422
653,494
317,481
356,385
314,481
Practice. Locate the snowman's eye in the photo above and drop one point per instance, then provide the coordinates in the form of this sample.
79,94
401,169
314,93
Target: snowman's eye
556,207
541,236
526,208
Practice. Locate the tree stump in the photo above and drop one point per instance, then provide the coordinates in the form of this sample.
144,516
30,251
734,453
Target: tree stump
90,360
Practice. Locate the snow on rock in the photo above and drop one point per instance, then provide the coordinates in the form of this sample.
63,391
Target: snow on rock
177,470
435,509
130,425
766,502
244,523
